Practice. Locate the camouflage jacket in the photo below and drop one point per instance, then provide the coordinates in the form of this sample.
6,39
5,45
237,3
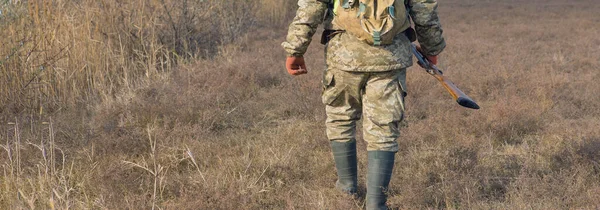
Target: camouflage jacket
347,53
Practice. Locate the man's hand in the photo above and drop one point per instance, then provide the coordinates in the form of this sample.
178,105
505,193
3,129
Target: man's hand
295,66
432,58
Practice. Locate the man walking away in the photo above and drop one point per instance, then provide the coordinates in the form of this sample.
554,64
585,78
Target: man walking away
367,52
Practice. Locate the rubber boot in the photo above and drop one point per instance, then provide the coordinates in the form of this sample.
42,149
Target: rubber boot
344,154
380,167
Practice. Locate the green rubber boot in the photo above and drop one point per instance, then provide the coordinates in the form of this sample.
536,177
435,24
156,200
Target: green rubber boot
379,173
344,154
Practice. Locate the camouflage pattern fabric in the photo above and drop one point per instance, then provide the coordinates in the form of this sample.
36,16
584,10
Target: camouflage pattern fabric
378,96
427,25
364,80
348,53
309,15
345,52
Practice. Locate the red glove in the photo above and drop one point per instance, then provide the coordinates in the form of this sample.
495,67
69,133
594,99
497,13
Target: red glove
295,66
432,58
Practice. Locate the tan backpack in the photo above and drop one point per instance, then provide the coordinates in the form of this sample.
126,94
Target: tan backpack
375,22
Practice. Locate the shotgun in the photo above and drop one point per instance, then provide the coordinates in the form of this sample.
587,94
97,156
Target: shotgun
460,97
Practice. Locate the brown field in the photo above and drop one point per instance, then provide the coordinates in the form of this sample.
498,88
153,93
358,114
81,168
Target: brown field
177,104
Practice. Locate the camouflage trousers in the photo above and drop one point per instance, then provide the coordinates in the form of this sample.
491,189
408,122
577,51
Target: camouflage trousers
377,97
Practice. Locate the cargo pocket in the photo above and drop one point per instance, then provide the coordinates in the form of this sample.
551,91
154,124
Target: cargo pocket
401,99
402,85
401,77
402,82
385,105
389,108
330,91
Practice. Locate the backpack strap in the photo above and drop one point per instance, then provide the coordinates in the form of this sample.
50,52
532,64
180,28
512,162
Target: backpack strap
392,11
376,38
347,4
362,8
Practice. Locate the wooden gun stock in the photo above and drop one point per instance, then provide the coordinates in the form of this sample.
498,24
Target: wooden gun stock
460,97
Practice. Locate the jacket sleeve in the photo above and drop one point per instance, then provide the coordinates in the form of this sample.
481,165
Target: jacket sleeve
427,25
308,17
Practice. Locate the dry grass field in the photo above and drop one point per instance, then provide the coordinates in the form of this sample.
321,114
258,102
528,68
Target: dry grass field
176,104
